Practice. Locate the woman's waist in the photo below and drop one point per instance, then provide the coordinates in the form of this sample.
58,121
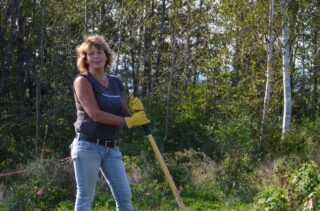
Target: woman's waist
97,131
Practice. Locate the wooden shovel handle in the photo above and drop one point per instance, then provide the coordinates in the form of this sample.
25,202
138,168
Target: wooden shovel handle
164,168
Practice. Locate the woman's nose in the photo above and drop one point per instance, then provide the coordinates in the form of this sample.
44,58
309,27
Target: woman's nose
95,55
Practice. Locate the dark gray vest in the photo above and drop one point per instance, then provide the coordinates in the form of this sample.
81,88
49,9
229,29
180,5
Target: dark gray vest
109,100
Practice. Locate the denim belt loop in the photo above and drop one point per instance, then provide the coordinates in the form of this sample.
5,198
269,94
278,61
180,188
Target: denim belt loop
77,136
112,143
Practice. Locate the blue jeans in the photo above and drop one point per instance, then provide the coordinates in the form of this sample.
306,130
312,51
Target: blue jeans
88,158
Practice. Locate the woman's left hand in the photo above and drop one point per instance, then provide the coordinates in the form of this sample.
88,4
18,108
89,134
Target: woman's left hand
135,104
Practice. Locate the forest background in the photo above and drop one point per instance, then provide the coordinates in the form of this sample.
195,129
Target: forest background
231,88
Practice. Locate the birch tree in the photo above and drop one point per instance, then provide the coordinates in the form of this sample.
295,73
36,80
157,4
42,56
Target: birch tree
269,77
285,69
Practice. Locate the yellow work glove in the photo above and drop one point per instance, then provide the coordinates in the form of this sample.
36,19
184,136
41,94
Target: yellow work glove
135,105
137,119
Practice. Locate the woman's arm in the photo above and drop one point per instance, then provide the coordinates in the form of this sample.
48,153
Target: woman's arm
85,95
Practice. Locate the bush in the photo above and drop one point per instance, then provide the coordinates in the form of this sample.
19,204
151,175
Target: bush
302,140
303,184
192,168
236,177
272,199
299,187
283,169
43,186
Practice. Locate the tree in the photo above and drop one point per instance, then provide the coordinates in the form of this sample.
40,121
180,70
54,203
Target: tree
269,78
8,61
285,70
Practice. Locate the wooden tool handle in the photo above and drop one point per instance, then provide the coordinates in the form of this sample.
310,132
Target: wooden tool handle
166,172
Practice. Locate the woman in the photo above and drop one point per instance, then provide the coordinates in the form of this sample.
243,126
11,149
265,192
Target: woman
101,111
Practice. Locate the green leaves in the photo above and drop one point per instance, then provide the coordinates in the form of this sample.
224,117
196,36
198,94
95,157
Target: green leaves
303,183
272,199
300,191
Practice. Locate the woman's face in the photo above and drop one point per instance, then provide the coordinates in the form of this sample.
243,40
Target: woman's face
96,58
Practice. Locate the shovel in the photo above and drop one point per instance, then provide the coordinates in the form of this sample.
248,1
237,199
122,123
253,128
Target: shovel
164,167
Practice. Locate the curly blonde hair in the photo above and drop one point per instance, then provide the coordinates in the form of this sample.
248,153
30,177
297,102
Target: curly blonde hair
99,42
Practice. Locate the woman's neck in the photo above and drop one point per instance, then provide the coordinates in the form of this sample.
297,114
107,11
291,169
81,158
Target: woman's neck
98,74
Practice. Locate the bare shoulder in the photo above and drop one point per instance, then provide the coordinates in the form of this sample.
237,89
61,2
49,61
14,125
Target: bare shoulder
81,81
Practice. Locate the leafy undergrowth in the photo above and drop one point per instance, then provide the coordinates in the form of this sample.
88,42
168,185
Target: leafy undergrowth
196,201
50,186
287,183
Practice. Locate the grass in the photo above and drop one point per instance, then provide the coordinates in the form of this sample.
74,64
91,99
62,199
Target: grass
195,201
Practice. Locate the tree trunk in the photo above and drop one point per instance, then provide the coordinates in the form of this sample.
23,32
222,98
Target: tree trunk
133,66
146,85
85,17
4,24
168,99
21,56
187,58
265,113
136,54
286,73
6,65
160,42
303,77
101,17
120,39
315,76
173,65
30,49
38,77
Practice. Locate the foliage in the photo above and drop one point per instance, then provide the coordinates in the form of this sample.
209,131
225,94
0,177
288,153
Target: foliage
298,190
303,185
236,177
65,205
200,69
283,170
192,168
45,184
272,199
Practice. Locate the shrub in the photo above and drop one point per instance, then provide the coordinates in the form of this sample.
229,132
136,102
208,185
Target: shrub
303,184
272,199
302,140
43,186
283,169
236,177
299,187
192,167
